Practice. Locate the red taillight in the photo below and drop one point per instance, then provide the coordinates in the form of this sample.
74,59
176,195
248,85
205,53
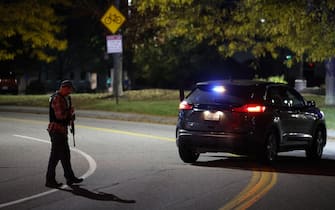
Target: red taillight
250,108
185,106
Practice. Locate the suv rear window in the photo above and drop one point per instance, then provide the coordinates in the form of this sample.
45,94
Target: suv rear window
234,95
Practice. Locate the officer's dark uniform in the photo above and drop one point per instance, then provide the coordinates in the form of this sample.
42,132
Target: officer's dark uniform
60,115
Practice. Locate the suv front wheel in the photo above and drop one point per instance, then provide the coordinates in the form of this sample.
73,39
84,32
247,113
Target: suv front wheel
315,150
271,147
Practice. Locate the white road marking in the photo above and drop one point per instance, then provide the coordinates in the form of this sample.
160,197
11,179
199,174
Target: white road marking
91,163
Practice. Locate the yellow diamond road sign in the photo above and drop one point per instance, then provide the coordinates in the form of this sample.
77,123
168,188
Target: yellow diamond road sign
113,19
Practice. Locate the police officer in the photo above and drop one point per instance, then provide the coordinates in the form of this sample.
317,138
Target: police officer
61,113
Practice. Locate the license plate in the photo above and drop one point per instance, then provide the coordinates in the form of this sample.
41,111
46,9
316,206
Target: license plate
213,116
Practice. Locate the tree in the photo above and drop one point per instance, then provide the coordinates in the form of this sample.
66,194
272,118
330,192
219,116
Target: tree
30,27
305,27
166,57
85,39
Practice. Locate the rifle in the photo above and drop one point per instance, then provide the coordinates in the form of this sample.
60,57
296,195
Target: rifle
72,131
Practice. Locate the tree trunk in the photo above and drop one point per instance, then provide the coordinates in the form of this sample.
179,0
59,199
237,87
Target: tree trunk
330,82
300,82
117,77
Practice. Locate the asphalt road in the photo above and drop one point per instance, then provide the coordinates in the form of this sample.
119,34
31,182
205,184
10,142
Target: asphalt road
132,165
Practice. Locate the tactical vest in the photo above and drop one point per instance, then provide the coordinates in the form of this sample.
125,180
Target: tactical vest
52,115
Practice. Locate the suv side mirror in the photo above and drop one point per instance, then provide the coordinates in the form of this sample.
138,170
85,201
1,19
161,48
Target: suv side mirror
311,103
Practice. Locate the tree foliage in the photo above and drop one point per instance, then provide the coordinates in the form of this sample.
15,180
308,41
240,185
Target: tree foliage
166,54
305,27
30,27
85,38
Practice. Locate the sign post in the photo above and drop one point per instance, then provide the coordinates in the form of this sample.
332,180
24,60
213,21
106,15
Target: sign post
113,20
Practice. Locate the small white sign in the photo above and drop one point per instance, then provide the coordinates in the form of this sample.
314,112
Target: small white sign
114,44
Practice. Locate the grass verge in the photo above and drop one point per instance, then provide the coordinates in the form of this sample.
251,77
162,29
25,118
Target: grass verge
152,102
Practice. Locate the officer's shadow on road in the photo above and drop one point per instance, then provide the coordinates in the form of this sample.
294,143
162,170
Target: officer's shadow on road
101,196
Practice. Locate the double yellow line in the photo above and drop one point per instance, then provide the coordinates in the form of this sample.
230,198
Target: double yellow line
260,183
127,133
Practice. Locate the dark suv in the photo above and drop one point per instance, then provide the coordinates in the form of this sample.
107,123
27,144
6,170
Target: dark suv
248,118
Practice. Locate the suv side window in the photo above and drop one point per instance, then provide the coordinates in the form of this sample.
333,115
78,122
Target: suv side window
284,97
276,95
295,99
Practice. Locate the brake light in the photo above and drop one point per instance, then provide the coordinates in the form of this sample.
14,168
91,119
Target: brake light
254,108
185,106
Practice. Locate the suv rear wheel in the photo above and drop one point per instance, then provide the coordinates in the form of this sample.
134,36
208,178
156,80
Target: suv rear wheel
271,147
187,155
315,150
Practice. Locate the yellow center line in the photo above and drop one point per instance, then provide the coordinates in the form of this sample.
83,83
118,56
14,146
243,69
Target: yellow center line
241,196
23,120
259,185
127,133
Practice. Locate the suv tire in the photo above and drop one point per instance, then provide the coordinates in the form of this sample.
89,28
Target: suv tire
315,149
187,155
271,147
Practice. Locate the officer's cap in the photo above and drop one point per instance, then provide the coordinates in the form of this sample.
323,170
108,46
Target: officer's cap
67,83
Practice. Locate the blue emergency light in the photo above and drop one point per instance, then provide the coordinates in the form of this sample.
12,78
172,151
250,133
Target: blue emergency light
219,89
